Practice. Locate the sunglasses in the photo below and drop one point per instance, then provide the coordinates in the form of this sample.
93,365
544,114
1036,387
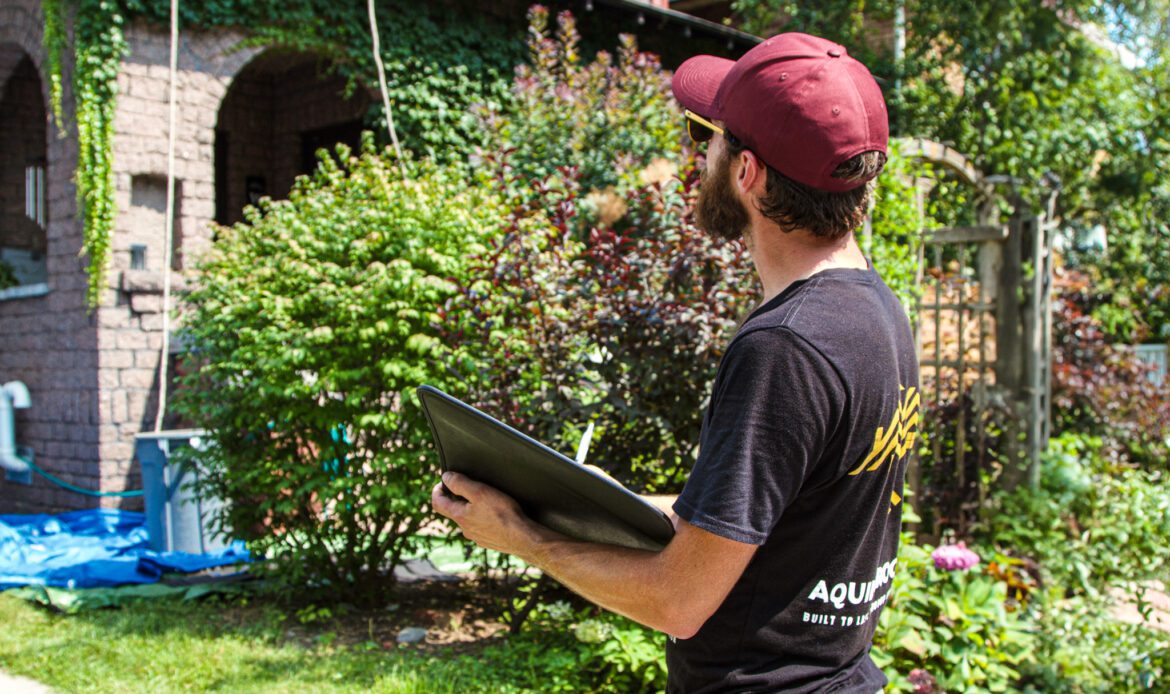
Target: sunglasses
701,130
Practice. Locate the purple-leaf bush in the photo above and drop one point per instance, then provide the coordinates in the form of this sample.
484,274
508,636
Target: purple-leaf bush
1101,388
600,300
623,328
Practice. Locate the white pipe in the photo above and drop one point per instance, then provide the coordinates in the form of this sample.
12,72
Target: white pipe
899,43
13,396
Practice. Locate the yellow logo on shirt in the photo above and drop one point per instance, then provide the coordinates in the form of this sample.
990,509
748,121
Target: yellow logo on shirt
894,441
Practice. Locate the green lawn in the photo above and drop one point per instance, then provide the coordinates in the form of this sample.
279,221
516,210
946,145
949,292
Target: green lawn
171,646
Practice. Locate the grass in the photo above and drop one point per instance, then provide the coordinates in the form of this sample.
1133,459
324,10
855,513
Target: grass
213,646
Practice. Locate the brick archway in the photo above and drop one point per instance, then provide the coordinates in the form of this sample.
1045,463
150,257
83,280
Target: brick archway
23,28
280,108
33,147
23,166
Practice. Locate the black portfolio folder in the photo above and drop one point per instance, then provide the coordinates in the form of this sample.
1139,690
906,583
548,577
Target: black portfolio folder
551,489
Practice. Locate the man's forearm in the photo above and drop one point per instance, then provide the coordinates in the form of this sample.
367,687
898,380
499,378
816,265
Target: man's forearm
673,591
627,581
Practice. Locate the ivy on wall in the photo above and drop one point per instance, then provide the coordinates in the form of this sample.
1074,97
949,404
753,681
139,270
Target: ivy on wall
438,62
99,47
55,41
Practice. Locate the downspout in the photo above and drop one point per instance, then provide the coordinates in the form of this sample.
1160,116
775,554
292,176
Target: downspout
13,396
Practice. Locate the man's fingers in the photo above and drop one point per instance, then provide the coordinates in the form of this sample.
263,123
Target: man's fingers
444,504
463,486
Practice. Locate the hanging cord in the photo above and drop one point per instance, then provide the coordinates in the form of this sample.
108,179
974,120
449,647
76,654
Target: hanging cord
169,223
382,85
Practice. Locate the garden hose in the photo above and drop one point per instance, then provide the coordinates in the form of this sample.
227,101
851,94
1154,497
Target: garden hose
74,488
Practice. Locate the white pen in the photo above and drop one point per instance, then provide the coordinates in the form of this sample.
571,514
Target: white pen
583,447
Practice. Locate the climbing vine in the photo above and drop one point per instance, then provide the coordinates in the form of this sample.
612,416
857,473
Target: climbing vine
437,67
55,40
100,47
98,51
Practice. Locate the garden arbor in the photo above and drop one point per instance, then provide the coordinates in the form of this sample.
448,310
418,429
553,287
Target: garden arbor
984,331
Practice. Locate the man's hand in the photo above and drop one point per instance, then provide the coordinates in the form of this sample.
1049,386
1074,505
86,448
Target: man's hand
488,517
674,590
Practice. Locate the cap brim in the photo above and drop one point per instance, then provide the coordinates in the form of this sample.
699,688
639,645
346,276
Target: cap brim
696,82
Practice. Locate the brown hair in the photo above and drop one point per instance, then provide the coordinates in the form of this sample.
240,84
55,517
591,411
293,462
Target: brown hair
792,205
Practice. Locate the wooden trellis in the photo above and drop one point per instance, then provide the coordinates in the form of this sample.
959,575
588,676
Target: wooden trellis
984,333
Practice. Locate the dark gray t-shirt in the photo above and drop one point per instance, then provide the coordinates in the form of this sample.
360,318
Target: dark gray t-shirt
804,447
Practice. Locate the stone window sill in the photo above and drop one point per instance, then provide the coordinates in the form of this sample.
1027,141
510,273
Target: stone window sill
24,291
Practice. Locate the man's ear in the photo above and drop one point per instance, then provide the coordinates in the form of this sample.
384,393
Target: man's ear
752,175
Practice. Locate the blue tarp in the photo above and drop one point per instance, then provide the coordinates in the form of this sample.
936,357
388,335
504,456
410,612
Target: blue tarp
90,549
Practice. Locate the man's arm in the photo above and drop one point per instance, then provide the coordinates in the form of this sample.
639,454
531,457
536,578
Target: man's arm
673,591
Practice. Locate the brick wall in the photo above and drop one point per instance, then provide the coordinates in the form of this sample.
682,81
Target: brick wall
49,342
130,320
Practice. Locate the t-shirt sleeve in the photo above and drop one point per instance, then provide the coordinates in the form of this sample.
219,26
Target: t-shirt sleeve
775,403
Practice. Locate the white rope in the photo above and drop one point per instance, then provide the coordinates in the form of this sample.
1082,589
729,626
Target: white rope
382,82
169,223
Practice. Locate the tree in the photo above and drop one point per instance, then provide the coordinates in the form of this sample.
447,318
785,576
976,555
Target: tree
1075,87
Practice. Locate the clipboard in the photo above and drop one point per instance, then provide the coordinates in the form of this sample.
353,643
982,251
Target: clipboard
551,488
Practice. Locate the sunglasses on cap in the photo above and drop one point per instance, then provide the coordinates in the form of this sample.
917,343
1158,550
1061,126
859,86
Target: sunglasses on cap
700,129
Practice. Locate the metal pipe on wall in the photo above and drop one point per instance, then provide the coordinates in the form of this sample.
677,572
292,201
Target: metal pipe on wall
13,396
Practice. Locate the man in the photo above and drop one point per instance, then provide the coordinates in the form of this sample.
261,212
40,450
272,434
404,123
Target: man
787,530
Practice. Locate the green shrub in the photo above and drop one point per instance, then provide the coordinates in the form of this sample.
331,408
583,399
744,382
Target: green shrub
1084,648
311,324
590,650
953,625
1093,524
896,225
7,276
1096,529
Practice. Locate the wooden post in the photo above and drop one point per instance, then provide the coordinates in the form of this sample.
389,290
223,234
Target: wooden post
1033,387
1040,412
1009,345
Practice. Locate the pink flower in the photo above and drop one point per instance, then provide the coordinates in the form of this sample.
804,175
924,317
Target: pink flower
923,681
954,557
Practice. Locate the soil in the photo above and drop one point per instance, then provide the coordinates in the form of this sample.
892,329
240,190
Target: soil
459,617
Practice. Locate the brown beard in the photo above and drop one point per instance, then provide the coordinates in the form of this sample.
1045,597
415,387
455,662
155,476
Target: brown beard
717,211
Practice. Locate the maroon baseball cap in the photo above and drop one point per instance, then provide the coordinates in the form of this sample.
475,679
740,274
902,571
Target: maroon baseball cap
801,103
